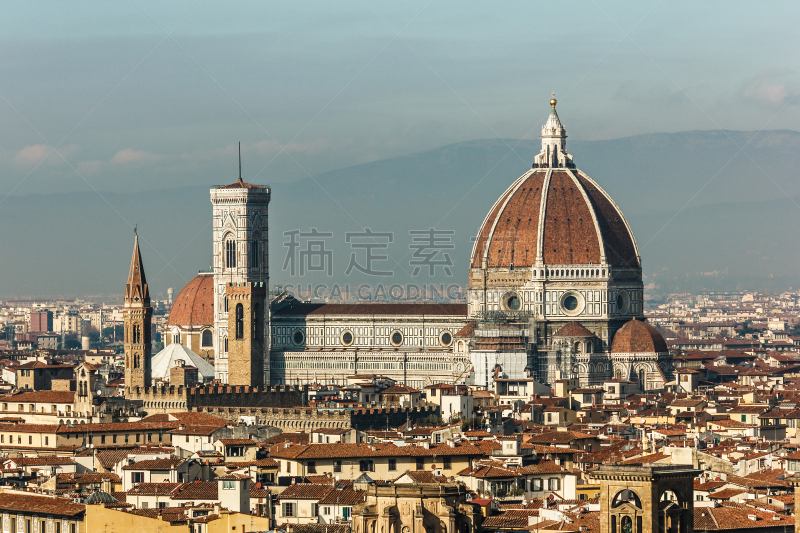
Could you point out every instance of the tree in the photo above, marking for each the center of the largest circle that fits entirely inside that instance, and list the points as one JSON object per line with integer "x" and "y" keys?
{"x": 114, "y": 333}
{"x": 71, "y": 341}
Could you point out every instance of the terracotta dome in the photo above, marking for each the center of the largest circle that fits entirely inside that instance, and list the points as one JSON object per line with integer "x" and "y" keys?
{"x": 638, "y": 337}
{"x": 194, "y": 305}
{"x": 566, "y": 219}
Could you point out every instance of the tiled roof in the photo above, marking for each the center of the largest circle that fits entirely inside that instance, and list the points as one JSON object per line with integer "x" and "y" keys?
{"x": 725, "y": 494}
{"x": 39, "y": 504}
{"x": 315, "y": 528}
{"x": 87, "y": 478}
{"x": 199, "y": 490}
{"x": 155, "y": 464}
{"x": 345, "y": 496}
{"x": 399, "y": 389}
{"x": 305, "y": 491}
{"x": 154, "y": 489}
{"x": 733, "y": 517}
{"x": 321, "y": 451}
{"x": 511, "y": 519}
{"x": 40, "y": 396}
{"x": 42, "y": 460}
{"x": 109, "y": 458}
{"x": 118, "y": 426}
{"x": 240, "y": 442}
{"x": 466, "y": 331}
{"x": 240, "y": 185}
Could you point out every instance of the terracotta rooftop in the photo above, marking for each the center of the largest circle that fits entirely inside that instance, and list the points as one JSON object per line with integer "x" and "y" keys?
{"x": 25, "y": 503}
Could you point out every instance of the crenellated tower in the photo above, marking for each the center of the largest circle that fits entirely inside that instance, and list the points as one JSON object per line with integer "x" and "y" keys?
{"x": 137, "y": 317}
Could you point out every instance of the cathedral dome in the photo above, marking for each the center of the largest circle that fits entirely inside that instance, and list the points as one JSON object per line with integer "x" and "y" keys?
{"x": 562, "y": 217}
{"x": 554, "y": 214}
{"x": 194, "y": 305}
{"x": 637, "y": 336}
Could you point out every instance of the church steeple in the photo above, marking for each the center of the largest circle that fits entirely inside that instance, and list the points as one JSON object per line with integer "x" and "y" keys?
{"x": 136, "y": 290}
{"x": 137, "y": 318}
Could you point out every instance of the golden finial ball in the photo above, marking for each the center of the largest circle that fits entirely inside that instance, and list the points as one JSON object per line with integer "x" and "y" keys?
{"x": 553, "y": 102}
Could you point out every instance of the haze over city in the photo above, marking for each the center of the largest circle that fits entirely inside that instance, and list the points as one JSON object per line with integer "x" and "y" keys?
{"x": 118, "y": 115}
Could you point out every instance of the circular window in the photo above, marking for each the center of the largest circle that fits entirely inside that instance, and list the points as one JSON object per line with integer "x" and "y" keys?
{"x": 347, "y": 337}
{"x": 572, "y": 303}
{"x": 397, "y": 338}
{"x": 446, "y": 338}
{"x": 623, "y": 301}
{"x": 298, "y": 337}
{"x": 512, "y": 302}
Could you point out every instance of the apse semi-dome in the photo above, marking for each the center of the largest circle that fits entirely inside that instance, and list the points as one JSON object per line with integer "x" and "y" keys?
{"x": 637, "y": 336}
{"x": 194, "y": 305}
{"x": 554, "y": 214}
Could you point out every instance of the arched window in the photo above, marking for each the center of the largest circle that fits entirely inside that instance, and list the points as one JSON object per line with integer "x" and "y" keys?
{"x": 176, "y": 338}
{"x": 225, "y": 298}
{"x": 207, "y": 338}
{"x": 225, "y": 343}
{"x": 137, "y": 334}
{"x": 254, "y": 259}
{"x": 230, "y": 253}
{"x": 239, "y": 321}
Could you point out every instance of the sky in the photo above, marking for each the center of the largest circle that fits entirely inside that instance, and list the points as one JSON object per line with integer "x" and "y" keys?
{"x": 136, "y": 96}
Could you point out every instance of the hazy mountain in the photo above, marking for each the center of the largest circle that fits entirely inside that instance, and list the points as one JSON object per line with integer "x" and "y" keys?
{"x": 709, "y": 209}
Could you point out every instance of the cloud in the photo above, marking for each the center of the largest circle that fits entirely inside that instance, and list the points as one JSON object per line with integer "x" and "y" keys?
{"x": 773, "y": 88}
{"x": 36, "y": 153}
{"x": 129, "y": 155}
{"x": 33, "y": 153}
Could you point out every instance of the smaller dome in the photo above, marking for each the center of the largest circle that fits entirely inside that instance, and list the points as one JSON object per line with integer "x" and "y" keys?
{"x": 194, "y": 305}
{"x": 573, "y": 329}
{"x": 638, "y": 337}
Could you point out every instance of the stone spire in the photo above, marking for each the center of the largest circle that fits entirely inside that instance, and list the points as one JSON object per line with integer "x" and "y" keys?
{"x": 137, "y": 318}
{"x": 554, "y": 142}
{"x": 136, "y": 290}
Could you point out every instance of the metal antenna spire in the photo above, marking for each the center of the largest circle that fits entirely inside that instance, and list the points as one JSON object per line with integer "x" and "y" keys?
{"x": 240, "y": 161}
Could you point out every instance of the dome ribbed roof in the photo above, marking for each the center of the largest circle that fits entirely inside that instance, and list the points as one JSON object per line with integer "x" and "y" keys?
{"x": 638, "y": 337}
{"x": 194, "y": 305}
{"x": 559, "y": 215}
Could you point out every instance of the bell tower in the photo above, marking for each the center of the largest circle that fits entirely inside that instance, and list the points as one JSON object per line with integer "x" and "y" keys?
{"x": 240, "y": 232}
{"x": 137, "y": 316}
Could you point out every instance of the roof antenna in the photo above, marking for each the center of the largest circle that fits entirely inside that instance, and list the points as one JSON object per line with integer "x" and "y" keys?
{"x": 240, "y": 161}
